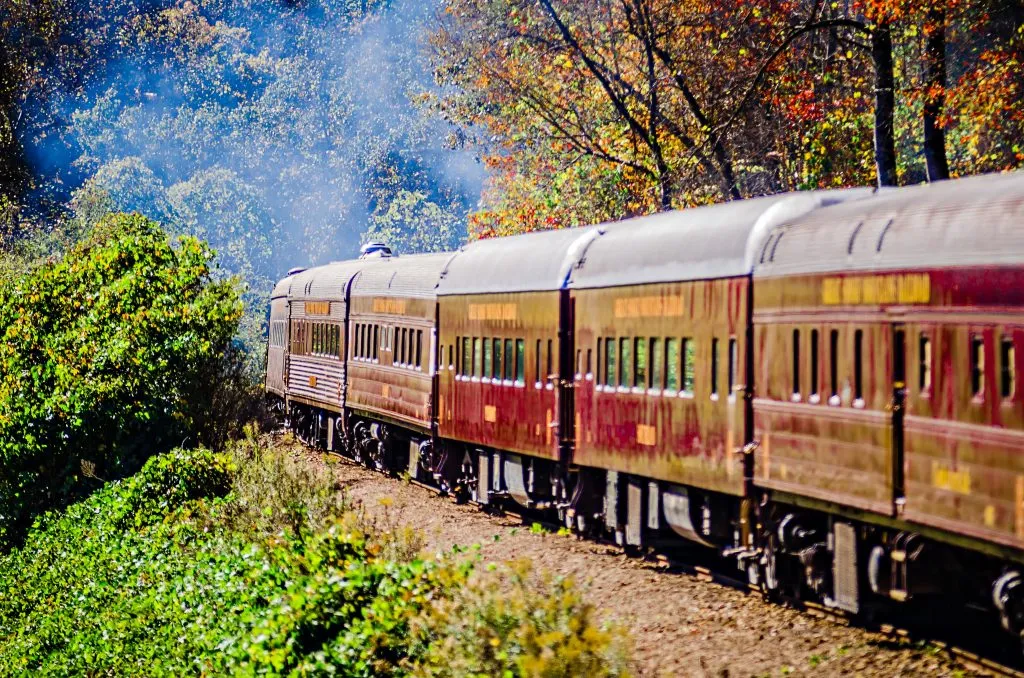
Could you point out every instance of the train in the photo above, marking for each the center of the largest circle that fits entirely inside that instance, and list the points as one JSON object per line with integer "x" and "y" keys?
{"x": 822, "y": 386}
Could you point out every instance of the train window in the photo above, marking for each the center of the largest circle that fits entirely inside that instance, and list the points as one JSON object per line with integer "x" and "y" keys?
{"x": 977, "y": 365}
{"x": 672, "y": 364}
{"x": 609, "y": 362}
{"x": 689, "y": 365}
{"x": 924, "y": 364}
{"x": 714, "y": 365}
{"x": 640, "y": 366}
{"x": 478, "y": 358}
{"x": 590, "y": 363}
{"x": 625, "y": 363}
{"x": 419, "y": 349}
{"x": 410, "y": 351}
{"x": 376, "y": 342}
{"x": 733, "y": 359}
{"x": 496, "y": 372}
{"x": 657, "y": 365}
{"x": 337, "y": 341}
{"x": 579, "y": 363}
{"x": 536, "y": 366}
{"x": 833, "y": 352}
{"x": 858, "y": 367}
{"x": 488, "y": 357}
{"x": 796, "y": 364}
{"x": 600, "y": 362}
{"x": 458, "y": 356}
{"x": 815, "y": 386}
{"x": 510, "y": 361}
{"x": 467, "y": 358}
{"x": 549, "y": 373}
{"x": 520, "y": 362}
{"x": 1007, "y": 367}
{"x": 451, "y": 363}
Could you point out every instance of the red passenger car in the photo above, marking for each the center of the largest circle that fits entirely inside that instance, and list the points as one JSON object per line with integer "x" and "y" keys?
{"x": 503, "y": 306}
{"x": 662, "y": 309}
{"x": 391, "y": 360}
{"x": 888, "y": 338}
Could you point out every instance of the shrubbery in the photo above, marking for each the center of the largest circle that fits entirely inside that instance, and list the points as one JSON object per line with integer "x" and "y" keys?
{"x": 161, "y": 574}
{"x": 108, "y": 354}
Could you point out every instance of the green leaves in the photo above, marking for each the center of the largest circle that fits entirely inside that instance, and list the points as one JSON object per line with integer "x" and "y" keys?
{"x": 104, "y": 358}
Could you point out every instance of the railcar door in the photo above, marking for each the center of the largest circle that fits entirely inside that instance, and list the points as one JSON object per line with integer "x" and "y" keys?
{"x": 566, "y": 407}
{"x": 898, "y": 405}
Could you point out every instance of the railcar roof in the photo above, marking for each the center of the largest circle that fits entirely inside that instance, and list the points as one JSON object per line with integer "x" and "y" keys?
{"x": 532, "y": 262}
{"x": 282, "y": 288}
{"x": 327, "y": 282}
{"x": 413, "y": 275}
{"x": 975, "y": 221}
{"x": 716, "y": 241}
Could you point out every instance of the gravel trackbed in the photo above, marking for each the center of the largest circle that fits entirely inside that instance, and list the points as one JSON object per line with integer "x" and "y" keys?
{"x": 681, "y": 625}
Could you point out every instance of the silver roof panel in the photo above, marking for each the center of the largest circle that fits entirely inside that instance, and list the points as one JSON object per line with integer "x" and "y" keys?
{"x": 532, "y": 262}
{"x": 962, "y": 222}
{"x": 406, "y": 276}
{"x": 716, "y": 241}
{"x": 326, "y": 282}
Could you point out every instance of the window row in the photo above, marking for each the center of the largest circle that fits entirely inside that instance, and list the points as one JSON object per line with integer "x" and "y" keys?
{"x": 404, "y": 343}
{"x": 491, "y": 358}
{"x": 925, "y": 361}
{"x": 661, "y": 364}
{"x": 1006, "y": 369}
{"x": 316, "y": 338}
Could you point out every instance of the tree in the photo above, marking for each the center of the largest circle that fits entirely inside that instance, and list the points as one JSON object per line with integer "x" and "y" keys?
{"x": 103, "y": 361}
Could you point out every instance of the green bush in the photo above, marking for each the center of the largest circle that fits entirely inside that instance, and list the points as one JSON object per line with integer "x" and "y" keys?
{"x": 107, "y": 355}
{"x": 158, "y": 575}
{"x": 512, "y": 621}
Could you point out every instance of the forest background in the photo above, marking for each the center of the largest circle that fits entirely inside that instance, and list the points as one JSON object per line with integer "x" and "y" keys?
{"x": 287, "y": 132}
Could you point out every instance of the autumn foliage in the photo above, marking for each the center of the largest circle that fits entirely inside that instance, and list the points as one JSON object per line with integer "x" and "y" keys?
{"x": 602, "y": 109}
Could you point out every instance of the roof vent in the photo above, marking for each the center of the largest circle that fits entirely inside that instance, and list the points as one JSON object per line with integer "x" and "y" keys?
{"x": 296, "y": 270}
{"x": 374, "y": 249}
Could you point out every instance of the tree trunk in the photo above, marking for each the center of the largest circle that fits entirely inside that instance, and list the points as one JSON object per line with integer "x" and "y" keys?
{"x": 935, "y": 94}
{"x": 885, "y": 105}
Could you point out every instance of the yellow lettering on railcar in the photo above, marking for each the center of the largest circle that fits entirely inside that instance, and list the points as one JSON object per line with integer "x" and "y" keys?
{"x": 945, "y": 478}
{"x": 877, "y": 290}
{"x": 318, "y": 308}
{"x": 385, "y": 391}
{"x": 646, "y": 435}
{"x": 312, "y": 381}
{"x": 490, "y": 413}
{"x": 389, "y": 306}
{"x": 493, "y": 311}
{"x": 648, "y": 307}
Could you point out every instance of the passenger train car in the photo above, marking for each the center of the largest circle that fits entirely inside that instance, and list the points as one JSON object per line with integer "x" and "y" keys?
{"x": 821, "y": 385}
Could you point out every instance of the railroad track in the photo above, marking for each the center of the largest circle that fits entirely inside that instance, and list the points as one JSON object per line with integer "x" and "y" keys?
{"x": 697, "y": 566}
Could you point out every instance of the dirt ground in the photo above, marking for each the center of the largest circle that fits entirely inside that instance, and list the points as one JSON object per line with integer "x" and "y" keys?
{"x": 681, "y": 625}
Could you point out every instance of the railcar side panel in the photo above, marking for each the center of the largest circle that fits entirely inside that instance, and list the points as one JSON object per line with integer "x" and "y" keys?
{"x": 498, "y": 356}
{"x": 389, "y": 360}
{"x": 965, "y": 406}
{"x": 822, "y": 413}
{"x": 660, "y": 381}
{"x": 277, "y": 347}
{"x": 316, "y": 371}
